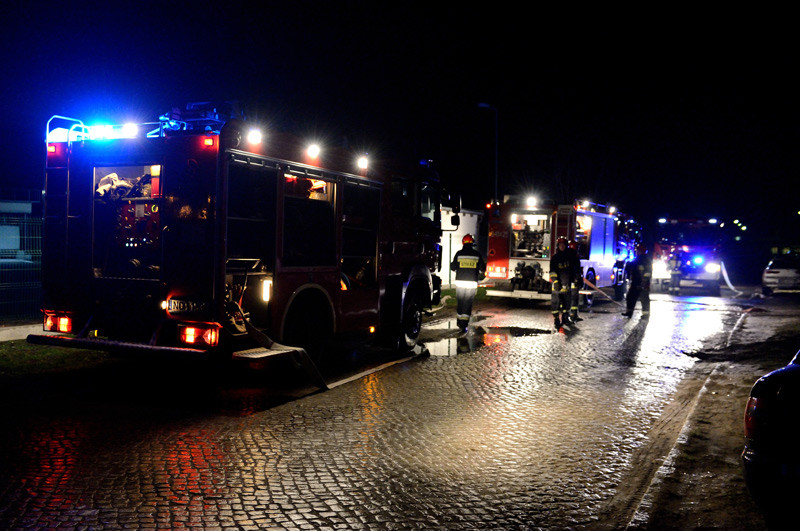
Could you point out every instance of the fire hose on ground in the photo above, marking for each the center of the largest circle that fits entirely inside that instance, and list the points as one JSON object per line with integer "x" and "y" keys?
{"x": 603, "y": 293}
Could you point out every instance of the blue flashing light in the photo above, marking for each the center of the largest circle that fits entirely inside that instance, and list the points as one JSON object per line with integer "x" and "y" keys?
{"x": 112, "y": 132}
{"x": 698, "y": 260}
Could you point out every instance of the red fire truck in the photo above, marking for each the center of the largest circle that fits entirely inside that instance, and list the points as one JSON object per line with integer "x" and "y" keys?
{"x": 522, "y": 235}
{"x": 198, "y": 235}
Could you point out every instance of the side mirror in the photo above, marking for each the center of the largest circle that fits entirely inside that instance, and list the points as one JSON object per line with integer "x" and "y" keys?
{"x": 455, "y": 220}
{"x": 452, "y": 200}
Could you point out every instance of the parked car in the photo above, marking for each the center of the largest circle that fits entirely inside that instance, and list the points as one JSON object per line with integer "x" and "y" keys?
{"x": 781, "y": 274}
{"x": 772, "y": 439}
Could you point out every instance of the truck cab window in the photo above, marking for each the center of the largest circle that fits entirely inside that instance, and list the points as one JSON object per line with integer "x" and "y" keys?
{"x": 429, "y": 203}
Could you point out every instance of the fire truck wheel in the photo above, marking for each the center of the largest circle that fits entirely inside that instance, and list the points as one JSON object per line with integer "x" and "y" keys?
{"x": 411, "y": 322}
{"x": 589, "y": 299}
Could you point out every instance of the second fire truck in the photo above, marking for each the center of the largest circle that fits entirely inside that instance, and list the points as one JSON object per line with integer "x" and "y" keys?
{"x": 693, "y": 247}
{"x": 521, "y": 240}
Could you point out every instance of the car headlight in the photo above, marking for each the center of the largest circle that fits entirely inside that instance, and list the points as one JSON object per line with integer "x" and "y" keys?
{"x": 712, "y": 267}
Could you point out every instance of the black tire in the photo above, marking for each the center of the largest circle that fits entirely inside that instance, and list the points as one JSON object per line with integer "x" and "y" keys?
{"x": 588, "y": 300}
{"x": 410, "y": 322}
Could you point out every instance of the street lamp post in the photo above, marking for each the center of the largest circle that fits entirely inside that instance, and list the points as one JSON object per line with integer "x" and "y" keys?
{"x": 492, "y": 108}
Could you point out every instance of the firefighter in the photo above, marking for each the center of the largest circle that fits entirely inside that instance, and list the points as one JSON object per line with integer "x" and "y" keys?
{"x": 576, "y": 291}
{"x": 640, "y": 271}
{"x": 563, "y": 276}
{"x": 675, "y": 272}
{"x": 470, "y": 268}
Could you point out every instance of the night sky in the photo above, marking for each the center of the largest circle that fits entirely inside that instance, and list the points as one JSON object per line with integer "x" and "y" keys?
{"x": 671, "y": 111}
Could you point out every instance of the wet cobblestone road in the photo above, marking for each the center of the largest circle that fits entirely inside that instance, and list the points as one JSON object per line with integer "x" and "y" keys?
{"x": 510, "y": 427}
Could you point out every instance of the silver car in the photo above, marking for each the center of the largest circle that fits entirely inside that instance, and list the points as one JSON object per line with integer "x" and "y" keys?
{"x": 781, "y": 274}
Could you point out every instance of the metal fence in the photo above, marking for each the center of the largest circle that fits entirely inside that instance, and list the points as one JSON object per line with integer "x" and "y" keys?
{"x": 20, "y": 267}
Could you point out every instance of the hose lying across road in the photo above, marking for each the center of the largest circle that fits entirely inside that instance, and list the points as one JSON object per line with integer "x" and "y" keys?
{"x": 727, "y": 280}
{"x": 603, "y": 293}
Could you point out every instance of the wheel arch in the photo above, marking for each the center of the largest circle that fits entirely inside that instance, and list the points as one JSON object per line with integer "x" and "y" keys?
{"x": 310, "y": 297}
{"x": 418, "y": 280}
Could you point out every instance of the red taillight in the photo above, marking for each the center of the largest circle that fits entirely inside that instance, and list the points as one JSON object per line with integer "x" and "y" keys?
{"x": 56, "y": 154}
{"x": 64, "y": 324}
{"x": 57, "y": 322}
{"x": 752, "y": 421}
{"x": 199, "y": 334}
{"x": 189, "y": 335}
{"x": 208, "y": 141}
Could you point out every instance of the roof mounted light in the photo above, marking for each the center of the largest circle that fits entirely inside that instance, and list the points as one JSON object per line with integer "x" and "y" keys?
{"x": 313, "y": 151}
{"x": 363, "y": 162}
{"x": 254, "y": 136}
{"x": 531, "y": 201}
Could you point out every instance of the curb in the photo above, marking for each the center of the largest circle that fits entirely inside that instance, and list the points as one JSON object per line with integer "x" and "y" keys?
{"x": 12, "y": 333}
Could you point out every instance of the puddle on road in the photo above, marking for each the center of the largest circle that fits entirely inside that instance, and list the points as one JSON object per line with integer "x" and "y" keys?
{"x": 452, "y": 342}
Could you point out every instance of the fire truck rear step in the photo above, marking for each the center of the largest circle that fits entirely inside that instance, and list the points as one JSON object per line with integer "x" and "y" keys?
{"x": 276, "y": 349}
{"x": 261, "y": 353}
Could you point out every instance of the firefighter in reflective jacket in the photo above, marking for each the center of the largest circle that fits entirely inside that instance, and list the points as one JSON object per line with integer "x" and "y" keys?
{"x": 470, "y": 268}
{"x": 640, "y": 271}
{"x": 576, "y": 291}
{"x": 564, "y": 275}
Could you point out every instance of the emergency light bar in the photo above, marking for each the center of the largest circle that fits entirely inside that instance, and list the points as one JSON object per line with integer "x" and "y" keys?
{"x": 113, "y": 132}
{"x": 62, "y": 129}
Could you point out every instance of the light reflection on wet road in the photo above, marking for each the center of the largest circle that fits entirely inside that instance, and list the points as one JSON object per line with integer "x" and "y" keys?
{"x": 512, "y": 425}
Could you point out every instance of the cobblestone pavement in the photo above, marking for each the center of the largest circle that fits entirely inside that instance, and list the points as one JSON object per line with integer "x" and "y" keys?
{"x": 512, "y": 426}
